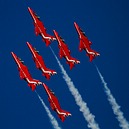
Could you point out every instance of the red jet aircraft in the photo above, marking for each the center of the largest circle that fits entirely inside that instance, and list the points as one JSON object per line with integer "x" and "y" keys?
{"x": 85, "y": 43}
{"x": 40, "y": 62}
{"x": 54, "y": 103}
{"x": 40, "y": 29}
{"x": 65, "y": 52}
{"x": 24, "y": 73}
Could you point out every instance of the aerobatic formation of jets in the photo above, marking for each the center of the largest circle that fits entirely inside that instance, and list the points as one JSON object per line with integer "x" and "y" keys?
{"x": 64, "y": 51}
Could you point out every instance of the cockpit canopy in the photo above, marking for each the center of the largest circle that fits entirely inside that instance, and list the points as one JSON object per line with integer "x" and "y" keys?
{"x": 37, "y": 16}
{"x": 62, "y": 39}
{"x": 36, "y": 50}
{"x": 82, "y": 32}
{"x": 20, "y": 60}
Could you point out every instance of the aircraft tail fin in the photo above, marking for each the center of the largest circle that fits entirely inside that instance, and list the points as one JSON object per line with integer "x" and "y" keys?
{"x": 91, "y": 57}
{"x": 71, "y": 66}
{"x": 47, "y": 76}
{"x": 47, "y": 42}
{"x": 62, "y": 117}
{"x": 32, "y": 86}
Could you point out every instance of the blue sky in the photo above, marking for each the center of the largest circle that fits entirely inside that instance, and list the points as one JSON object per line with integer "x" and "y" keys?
{"x": 106, "y": 24}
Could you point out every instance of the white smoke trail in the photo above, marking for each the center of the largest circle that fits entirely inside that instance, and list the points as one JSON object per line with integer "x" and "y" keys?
{"x": 123, "y": 123}
{"x": 74, "y": 91}
{"x": 51, "y": 117}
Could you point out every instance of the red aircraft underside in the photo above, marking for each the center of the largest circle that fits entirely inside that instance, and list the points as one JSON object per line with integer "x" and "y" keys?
{"x": 24, "y": 73}
{"x": 40, "y": 29}
{"x": 85, "y": 44}
{"x": 54, "y": 103}
{"x": 65, "y": 52}
{"x": 40, "y": 62}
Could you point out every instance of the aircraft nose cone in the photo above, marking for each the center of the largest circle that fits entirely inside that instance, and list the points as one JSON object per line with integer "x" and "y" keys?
{"x": 75, "y": 23}
{"x": 29, "y": 9}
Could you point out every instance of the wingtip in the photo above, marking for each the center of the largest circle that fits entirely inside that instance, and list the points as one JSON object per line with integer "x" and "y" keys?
{"x": 55, "y": 72}
{"x": 78, "y": 61}
{"x": 98, "y": 54}
{"x": 70, "y": 114}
